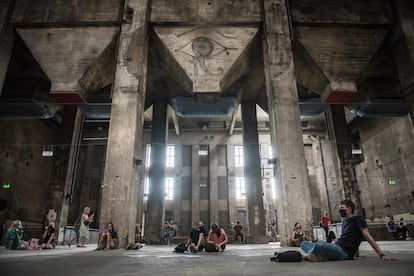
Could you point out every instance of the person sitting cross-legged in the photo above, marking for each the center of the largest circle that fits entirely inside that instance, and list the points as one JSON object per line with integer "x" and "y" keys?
{"x": 354, "y": 228}
{"x": 217, "y": 239}
{"x": 108, "y": 238}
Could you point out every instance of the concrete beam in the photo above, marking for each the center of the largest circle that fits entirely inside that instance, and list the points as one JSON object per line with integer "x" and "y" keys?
{"x": 374, "y": 12}
{"x": 54, "y": 12}
{"x": 175, "y": 120}
{"x": 202, "y": 12}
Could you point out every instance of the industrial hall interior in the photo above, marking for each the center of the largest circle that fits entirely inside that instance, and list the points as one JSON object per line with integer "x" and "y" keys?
{"x": 262, "y": 112}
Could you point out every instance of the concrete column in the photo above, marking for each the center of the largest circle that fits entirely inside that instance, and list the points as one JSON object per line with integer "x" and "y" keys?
{"x": 291, "y": 177}
{"x": 213, "y": 174}
{"x": 70, "y": 176}
{"x": 6, "y": 38}
{"x": 332, "y": 178}
{"x": 156, "y": 193}
{"x": 402, "y": 44}
{"x": 320, "y": 176}
{"x": 195, "y": 179}
{"x": 252, "y": 174}
{"x": 338, "y": 131}
{"x": 119, "y": 194}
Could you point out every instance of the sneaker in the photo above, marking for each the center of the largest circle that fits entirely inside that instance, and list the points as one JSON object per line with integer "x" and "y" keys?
{"x": 315, "y": 258}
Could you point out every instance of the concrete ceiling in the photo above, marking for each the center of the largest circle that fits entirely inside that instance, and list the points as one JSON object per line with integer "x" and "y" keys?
{"x": 331, "y": 42}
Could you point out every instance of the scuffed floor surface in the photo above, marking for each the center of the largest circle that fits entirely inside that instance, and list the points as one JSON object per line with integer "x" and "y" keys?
{"x": 237, "y": 259}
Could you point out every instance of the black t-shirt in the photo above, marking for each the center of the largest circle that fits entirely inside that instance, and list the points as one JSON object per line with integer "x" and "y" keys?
{"x": 351, "y": 236}
{"x": 195, "y": 234}
{"x": 50, "y": 230}
{"x": 114, "y": 234}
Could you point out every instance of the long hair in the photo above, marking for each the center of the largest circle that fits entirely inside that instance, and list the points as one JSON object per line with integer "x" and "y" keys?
{"x": 215, "y": 228}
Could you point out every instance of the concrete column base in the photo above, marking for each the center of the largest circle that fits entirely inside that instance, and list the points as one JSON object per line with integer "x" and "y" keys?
{"x": 261, "y": 239}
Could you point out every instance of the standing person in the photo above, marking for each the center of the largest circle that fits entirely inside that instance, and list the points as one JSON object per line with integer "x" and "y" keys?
{"x": 325, "y": 223}
{"x": 238, "y": 231}
{"x": 14, "y": 235}
{"x": 198, "y": 236}
{"x": 354, "y": 228}
{"x": 86, "y": 219}
{"x": 48, "y": 237}
{"x": 217, "y": 236}
{"x": 76, "y": 227}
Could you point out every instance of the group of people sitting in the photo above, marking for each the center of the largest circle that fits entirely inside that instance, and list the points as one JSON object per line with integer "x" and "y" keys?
{"x": 399, "y": 232}
{"x": 14, "y": 237}
{"x": 213, "y": 241}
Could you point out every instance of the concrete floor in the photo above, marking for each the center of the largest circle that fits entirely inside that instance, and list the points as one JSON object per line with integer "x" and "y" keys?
{"x": 236, "y": 260}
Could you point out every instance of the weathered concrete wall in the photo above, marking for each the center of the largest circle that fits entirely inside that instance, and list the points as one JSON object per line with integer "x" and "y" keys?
{"x": 23, "y": 166}
{"x": 387, "y": 146}
{"x": 52, "y": 11}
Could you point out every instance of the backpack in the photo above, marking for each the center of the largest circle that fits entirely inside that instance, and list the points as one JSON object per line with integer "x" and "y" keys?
{"x": 287, "y": 256}
{"x": 180, "y": 248}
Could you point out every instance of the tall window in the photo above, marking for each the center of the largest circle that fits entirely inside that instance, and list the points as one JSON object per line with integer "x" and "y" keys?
{"x": 238, "y": 156}
{"x": 146, "y": 187}
{"x": 169, "y": 188}
{"x": 170, "y": 155}
{"x": 240, "y": 188}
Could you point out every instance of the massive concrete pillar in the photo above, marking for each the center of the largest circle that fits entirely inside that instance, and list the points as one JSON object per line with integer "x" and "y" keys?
{"x": 6, "y": 38}
{"x": 320, "y": 176}
{"x": 195, "y": 187}
{"x": 338, "y": 131}
{"x": 252, "y": 174}
{"x": 119, "y": 194}
{"x": 213, "y": 174}
{"x": 156, "y": 193}
{"x": 70, "y": 174}
{"x": 291, "y": 177}
{"x": 402, "y": 44}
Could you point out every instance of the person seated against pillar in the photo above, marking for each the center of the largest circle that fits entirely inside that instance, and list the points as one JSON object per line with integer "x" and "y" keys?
{"x": 48, "y": 237}
{"x": 198, "y": 236}
{"x": 14, "y": 236}
{"x": 401, "y": 231}
{"x": 170, "y": 230}
{"x": 297, "y": 235}
{"x": 238, "y": 231}
{"x": 217, "y": 239}
{"x": 108, "y": 238}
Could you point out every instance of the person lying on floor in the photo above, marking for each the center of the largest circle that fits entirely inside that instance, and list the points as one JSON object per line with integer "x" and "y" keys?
{"x": 354, "y": 228}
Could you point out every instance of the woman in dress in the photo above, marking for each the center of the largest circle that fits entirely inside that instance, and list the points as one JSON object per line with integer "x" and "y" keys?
{"x": 86, "y": 219}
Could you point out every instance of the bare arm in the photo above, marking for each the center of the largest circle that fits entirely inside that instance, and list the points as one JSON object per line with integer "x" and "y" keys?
{"x": 209, "y": 239}
{"x": 200, "y": 239}
{"x": 226, "y": 239}
{"x": 374, "y": 245}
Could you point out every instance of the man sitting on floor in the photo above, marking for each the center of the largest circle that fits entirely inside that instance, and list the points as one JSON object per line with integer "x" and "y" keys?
{"x": 354, "y": 228}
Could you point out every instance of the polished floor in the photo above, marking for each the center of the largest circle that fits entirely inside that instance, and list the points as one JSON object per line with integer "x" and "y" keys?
{"x": 237, "y": 259}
